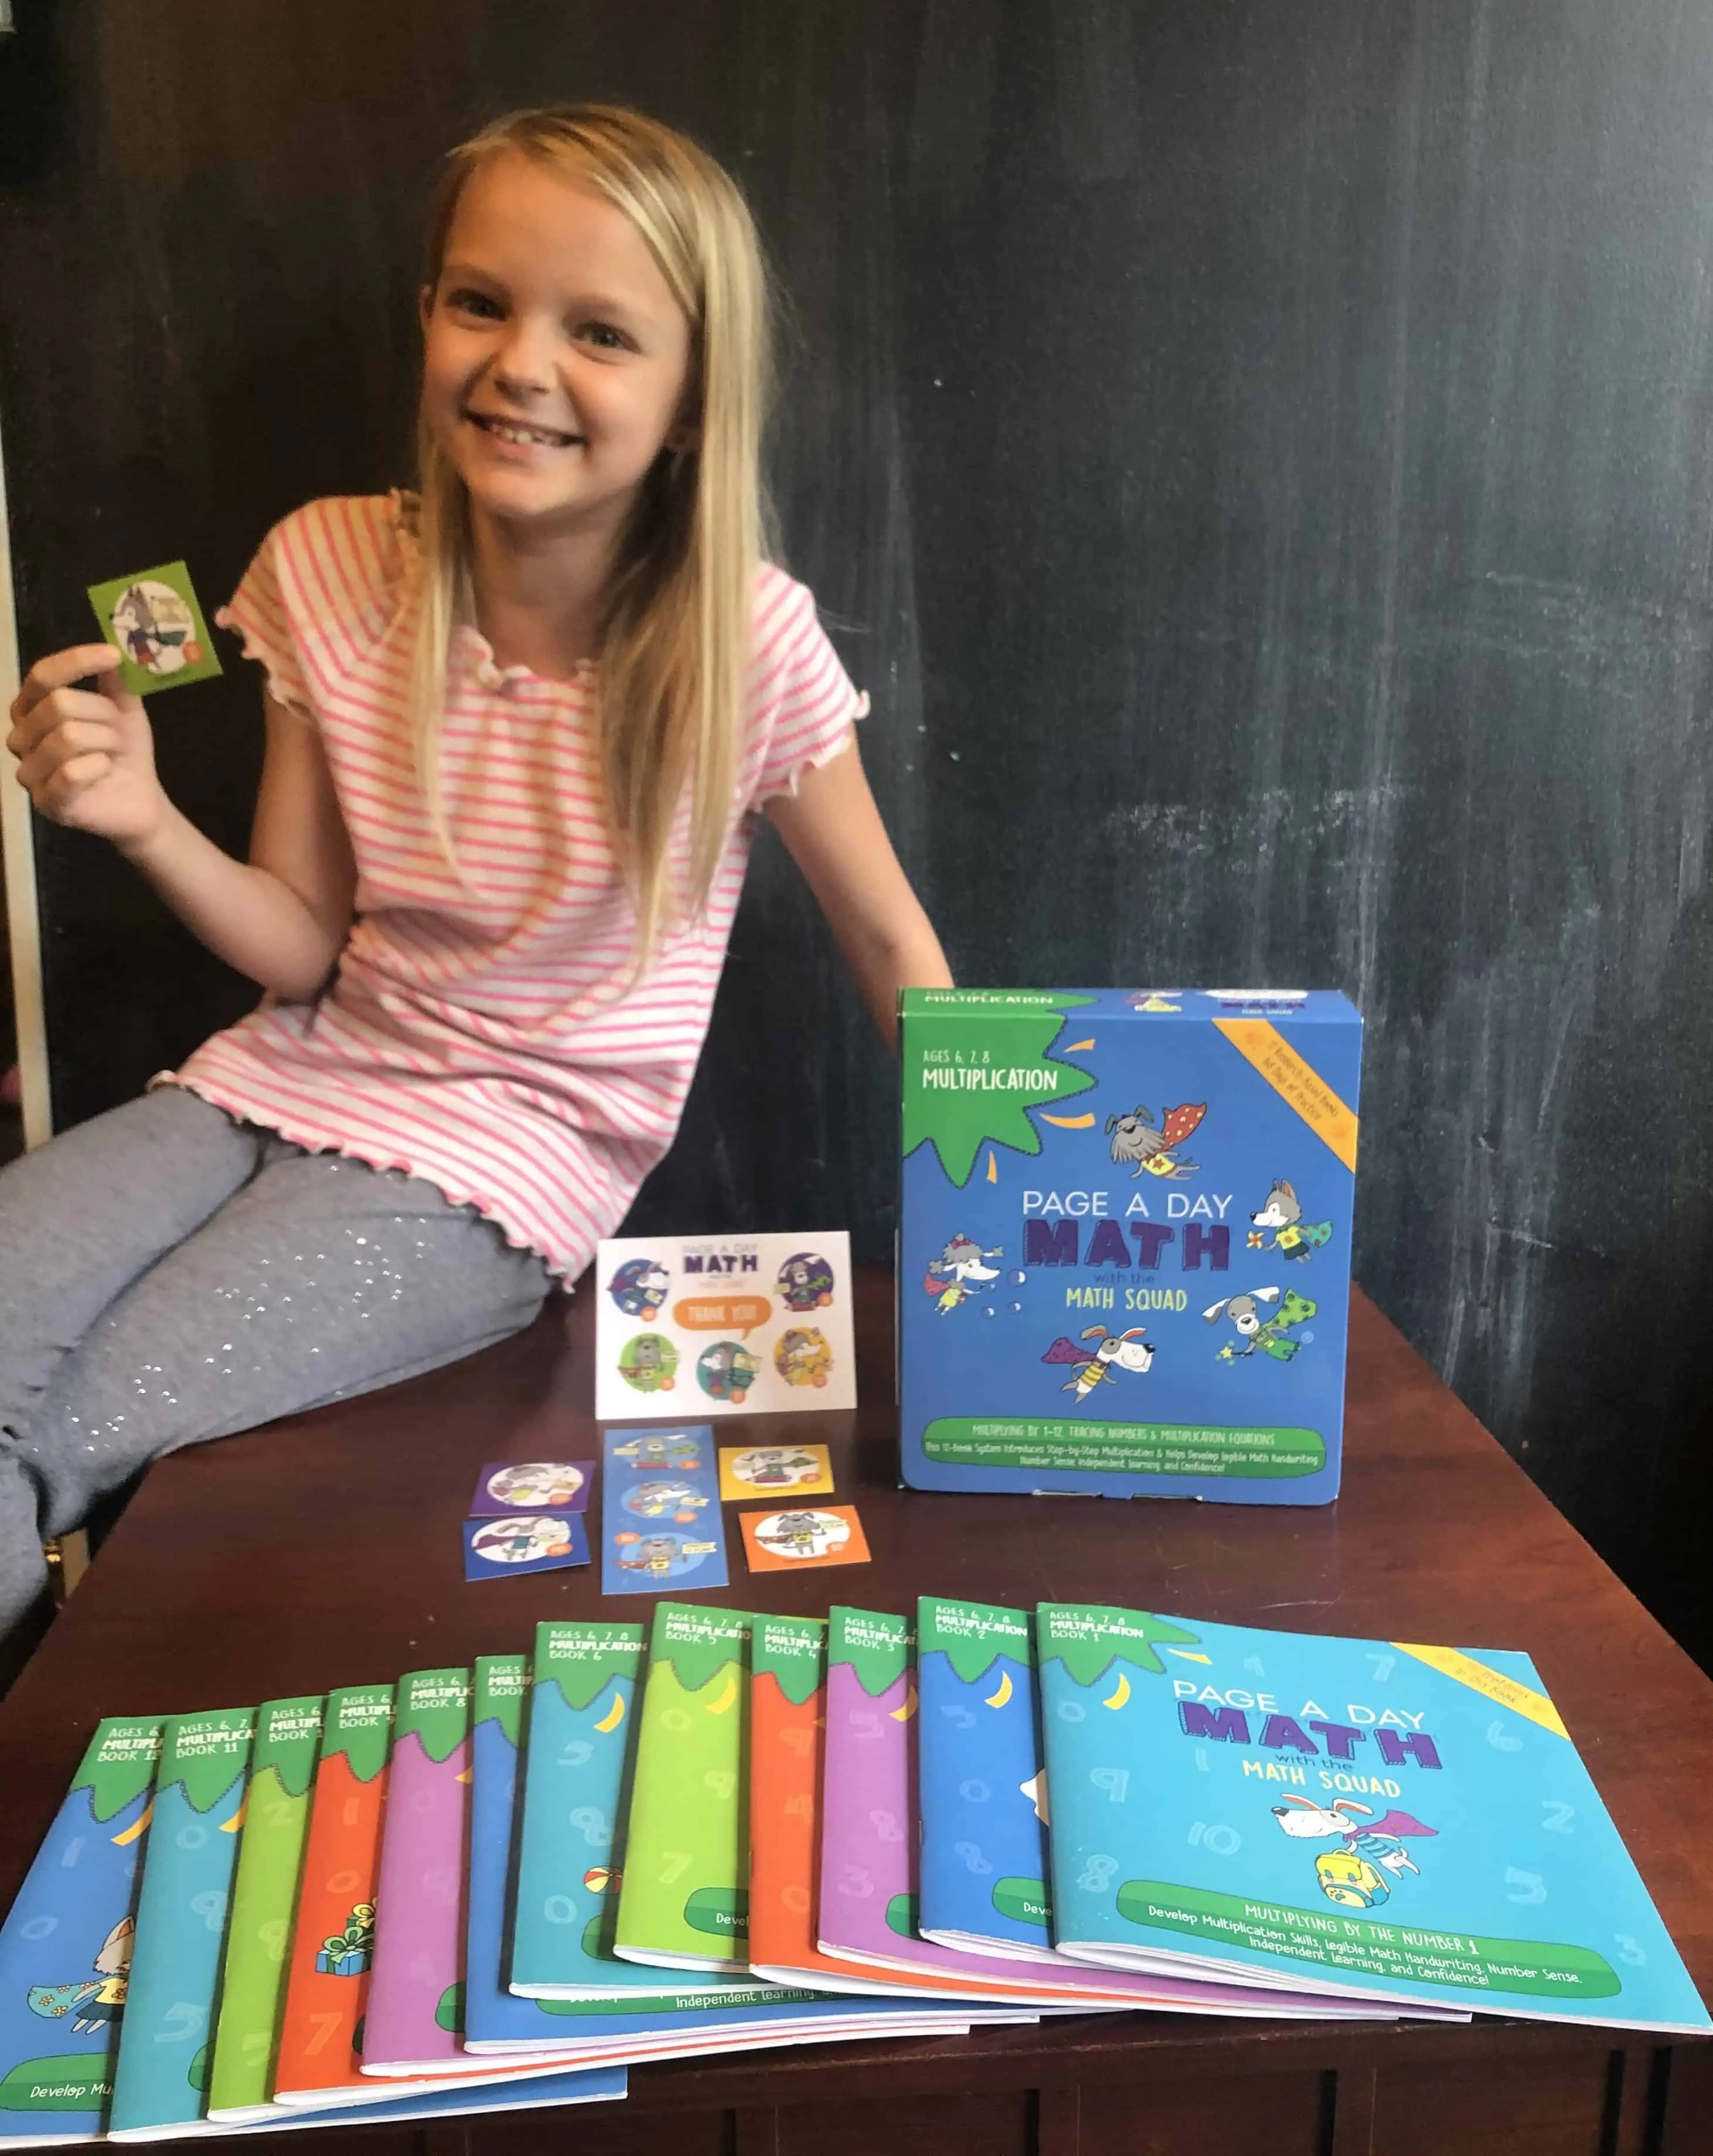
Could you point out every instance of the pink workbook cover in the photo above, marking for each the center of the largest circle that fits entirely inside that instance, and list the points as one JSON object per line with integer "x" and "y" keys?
{"x": 414, "y": 2021}
{"x": 867, "y": 1907}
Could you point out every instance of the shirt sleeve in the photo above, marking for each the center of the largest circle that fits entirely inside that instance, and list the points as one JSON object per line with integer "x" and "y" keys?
{"x": 317, "y": 594}
{"x": 802, "y": 703}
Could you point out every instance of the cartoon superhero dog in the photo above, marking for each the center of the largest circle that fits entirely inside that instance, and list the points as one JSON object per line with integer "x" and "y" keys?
{"x": 98, "y": 1999}
{"x": 958, "y": 1271}
{"x": 640, "y": 1287}
{"x": 804, "y": 1283}
{"x": 1137, "y": 1139}
{"x": 1347, "y": 1875}
{"x": 1130, "y": 1351}
{"x": 804, "y": 1534}
{"x": 1271, "y": 1335}
{"x": 1281, "y": 1218}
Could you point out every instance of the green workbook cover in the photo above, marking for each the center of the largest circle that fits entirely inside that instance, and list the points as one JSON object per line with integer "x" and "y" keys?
{"x": 683, "y": 1901}
{"x": 276, "y": 1817}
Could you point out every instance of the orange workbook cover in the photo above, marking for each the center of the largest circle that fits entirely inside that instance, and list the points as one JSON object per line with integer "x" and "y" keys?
{"x": 787, "y": 1718}
{"x": 333, "y": 1938}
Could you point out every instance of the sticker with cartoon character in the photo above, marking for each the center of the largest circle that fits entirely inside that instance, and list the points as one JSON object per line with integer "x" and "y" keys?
{"x": 526, "y": 1485}
{"x": 1280, "y": 1227}
{"x": 960, "y": 1271}
{"x": 640, "y": 1288}
{"x": 524, "y": 1541}
{"x": 1146, "y": 1147}
{"x": 803, "y": 1358}
{"x": 1277, "y": 1334}
{"x": 822, "y": 1534}
{"x": 661, "y": 1501}
{"x": 93, "y": 2001}
{"x": 1112, "y": 1351}
{"x": 648, "y": 1363}
{"x": 805, "y": 1282}
{"x": 155, "y": 628}
{"x": 521, "y": 1541}
{"x": 752, "y": 1469}
{"x": 727, "y": 1370}
{"x": 659, "y": 1557}
{"x": 1352, "y": 1874}
{"x": 684, "y": 1453}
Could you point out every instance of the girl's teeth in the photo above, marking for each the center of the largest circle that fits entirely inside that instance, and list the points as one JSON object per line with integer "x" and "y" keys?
{"x": 524, "y": 434}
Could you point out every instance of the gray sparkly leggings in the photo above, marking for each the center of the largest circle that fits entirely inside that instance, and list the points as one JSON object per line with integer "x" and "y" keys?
{"x": 168, "y": 1275}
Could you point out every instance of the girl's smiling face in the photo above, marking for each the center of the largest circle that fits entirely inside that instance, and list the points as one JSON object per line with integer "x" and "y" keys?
{"x": 556, "y": 360}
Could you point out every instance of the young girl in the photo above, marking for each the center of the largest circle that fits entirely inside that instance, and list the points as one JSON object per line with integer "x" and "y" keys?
{"x": 516, "y": 732}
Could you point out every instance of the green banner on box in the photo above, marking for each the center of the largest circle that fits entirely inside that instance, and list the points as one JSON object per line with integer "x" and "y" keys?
{"x": 1123, "y": 1448}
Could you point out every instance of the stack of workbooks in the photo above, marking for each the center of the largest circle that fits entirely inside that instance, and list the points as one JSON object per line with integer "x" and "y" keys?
{"x": 494, "y": 1888}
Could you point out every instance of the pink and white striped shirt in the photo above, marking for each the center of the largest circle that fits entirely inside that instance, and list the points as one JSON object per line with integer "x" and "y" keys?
{"x": 483, "y": 1036}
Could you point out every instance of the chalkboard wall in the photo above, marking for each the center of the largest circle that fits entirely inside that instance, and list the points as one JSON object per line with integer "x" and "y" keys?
{"x": 1257, "y": 453}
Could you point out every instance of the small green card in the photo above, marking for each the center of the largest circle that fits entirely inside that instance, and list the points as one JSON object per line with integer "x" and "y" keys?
{"x": 154, "y": 619}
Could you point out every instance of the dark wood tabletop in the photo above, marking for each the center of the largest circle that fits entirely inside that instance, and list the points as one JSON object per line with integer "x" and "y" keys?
{"x": 326, "y": 1551}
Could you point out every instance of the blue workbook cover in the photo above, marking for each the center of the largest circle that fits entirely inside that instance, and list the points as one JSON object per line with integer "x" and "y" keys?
{"x": 577, "y": 1772}
{"x": 700, "y": 2015}
{"x": 165, "y": 2041}
{"x": 984, "y": 1836}
{"x": 65, "y": 1948}
{"x": 1124, "y": 1240}
{"x": 1360, "y": 1816}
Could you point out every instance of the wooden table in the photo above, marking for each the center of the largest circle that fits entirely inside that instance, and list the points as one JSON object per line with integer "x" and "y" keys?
{"x": 326, "y": 1551}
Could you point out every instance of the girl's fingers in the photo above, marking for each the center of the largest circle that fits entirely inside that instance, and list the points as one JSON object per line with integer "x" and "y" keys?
{"x": 71, "y": 779}
{"x": 61, "y": 708}
{"x": 49, "y": 757}
{"x": 59, "y": 671}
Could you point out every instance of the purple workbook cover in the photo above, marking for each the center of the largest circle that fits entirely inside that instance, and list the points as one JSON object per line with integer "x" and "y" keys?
{"x": 868, "y": 1898}
{"x": 411, "y": 2018}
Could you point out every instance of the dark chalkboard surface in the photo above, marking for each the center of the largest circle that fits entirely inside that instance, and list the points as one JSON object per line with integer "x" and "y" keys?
{"x": 1257, "y": 453}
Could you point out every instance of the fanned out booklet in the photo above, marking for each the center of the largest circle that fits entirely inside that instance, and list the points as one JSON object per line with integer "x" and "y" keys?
{"x": 497, "y": 1888}
{"x": 1365, "y": 1818}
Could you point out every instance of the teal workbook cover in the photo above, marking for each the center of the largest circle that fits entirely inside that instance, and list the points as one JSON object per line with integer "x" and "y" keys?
{"x": 1361, "y": 1817}
{"x": 161, "y": 2082}
{"x": 578, "y": 1769}
{"x": 65, "y": 1948}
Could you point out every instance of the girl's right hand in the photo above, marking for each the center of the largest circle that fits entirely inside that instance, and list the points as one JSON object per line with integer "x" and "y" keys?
{"x": 87, "y": 756}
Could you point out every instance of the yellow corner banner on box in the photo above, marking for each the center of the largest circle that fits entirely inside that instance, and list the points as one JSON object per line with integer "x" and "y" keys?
{"x": 1296, "y": 1082}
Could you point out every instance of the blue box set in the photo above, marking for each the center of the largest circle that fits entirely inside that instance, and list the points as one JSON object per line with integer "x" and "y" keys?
{"x": 1124, "y": 1241}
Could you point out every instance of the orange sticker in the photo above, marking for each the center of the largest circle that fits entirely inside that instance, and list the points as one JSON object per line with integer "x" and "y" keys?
{"x": 806, "y": 1535}
{"x": 721, "y": 1313}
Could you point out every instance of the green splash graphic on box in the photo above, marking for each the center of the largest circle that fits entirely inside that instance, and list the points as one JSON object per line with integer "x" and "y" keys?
{"x": 1527, "y": 1967}
{"x": 1123, "y": 1448}
{"x": 967, "y": 1084}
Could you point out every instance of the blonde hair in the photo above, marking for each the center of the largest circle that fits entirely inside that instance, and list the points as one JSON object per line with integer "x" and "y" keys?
{"x": 678, "y": 613}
